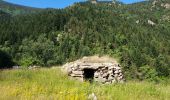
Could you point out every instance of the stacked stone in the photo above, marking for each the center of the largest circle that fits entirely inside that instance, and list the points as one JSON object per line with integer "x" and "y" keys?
{"x": 103, "y": 72}
{"x": 73, "y": 70}
{"x": 109, "y": 73}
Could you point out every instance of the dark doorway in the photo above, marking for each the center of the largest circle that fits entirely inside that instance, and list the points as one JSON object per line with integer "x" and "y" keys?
{"x": 89, "y": 74}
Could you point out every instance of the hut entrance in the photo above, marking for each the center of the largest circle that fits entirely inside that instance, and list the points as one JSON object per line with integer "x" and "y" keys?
{"x": 89, "y": 74}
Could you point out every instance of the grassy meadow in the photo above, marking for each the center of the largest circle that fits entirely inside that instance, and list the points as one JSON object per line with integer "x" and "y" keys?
{"x": 52, "y": 84}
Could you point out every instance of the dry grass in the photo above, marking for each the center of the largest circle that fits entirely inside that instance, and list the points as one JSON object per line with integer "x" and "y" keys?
{"x": 43, "y": 84}
{"x": 98, "y": 59}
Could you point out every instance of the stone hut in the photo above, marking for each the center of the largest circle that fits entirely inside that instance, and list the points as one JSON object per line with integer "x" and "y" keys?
{"x": 94, "y": 68}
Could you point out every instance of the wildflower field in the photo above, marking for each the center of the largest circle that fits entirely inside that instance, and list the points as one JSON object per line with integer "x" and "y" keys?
{"x": 52, "y": 84}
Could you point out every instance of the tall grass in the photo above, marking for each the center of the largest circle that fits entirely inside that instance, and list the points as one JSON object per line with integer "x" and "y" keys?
{"x": 43, "y": 84}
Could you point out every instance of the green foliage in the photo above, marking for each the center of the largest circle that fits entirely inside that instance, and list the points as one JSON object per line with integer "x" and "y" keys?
{"x": 55, "y": 36}
{"x": 147, "y": 72}
{"x": 27, "y": 61}
{"x": 15, "y": 9}
{"x": 5, "y": 60}
{"x": 37, "y": 52}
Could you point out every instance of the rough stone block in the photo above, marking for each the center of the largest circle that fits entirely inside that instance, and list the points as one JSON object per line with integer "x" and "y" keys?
{"x": 78, "y": 72}
{"x": 76, "y": 75}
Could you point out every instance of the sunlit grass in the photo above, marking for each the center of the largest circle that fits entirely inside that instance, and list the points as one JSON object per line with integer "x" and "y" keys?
{"x": 52, "y": 84}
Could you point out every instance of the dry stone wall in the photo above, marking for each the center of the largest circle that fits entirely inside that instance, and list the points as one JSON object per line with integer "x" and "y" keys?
{"x": 103, "y": 72}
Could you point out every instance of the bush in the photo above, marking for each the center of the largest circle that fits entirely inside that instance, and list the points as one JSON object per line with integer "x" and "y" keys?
{"x": 149, "y": 73}
{"x": 5, "y": 60}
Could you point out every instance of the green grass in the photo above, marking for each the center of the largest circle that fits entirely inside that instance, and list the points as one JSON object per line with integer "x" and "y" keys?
{"x": 43, "y": 84}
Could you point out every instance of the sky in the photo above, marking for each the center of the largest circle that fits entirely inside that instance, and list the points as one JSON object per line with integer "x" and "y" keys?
{"x": 54, "y": 3}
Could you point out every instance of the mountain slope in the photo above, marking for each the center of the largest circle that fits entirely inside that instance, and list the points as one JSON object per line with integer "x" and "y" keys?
{"x": 138, "y": 35}
{"x": 15, "y": 9}
{"x": 3, "y": 14}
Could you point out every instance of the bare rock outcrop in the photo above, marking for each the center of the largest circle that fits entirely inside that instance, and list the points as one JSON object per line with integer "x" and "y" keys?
{"x": 151, "y": 22}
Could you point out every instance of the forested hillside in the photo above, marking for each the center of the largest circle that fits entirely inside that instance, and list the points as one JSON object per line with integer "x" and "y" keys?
{"x": 138, "y": 35}
{"x": 16, "y": 9}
